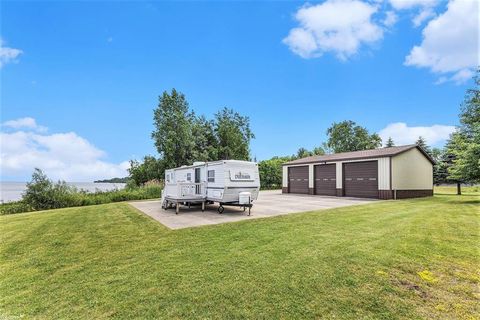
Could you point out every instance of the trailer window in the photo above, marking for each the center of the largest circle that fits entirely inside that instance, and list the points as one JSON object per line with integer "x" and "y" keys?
{"x": 189, "y": 177}
{"x": 211, "y": 175}
{"x": 168, "y": 177}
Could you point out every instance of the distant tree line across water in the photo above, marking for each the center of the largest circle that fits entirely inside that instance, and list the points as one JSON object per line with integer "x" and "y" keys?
{"x": 113, "y": 180}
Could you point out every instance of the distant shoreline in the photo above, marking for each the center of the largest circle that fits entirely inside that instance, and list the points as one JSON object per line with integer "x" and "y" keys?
{"x": 12, "y": 190}
{"x": 113, "y": 180}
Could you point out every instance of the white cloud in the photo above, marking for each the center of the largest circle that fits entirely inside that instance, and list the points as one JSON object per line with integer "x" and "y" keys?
{"x": 390, "y": 18}
{"x": 8, "y": 54}
{"x": 450, "y": 42}
{"x": 337, "y": 26}
{"x": 423, "y": 16}
{"x": 424, "y": 7}
{"x": 65, "y": 156}
{"x": 409, "y": 4}
{"x": 401, "y": 133}
{"x": 24, "y": 123}
{"x": 462, "y": 76}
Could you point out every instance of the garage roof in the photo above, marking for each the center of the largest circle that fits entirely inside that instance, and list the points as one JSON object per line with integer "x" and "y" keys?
{"x": 363, "y": 154}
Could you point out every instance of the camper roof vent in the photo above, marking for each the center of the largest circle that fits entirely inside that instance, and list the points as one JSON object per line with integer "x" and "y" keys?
{"x": 198, "y": 163}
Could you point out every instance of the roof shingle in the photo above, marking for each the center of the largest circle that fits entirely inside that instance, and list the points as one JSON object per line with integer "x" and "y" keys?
{"x": 363, "y": 154}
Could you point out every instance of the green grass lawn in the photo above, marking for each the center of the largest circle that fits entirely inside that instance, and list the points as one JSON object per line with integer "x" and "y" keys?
{"x": 403, "y": 259}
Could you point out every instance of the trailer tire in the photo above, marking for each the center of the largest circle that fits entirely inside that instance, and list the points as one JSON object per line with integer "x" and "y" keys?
{"x": 220, "y": 209}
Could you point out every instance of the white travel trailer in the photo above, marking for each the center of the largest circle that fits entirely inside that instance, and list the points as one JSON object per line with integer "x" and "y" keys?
{"x": 228, "y": 182}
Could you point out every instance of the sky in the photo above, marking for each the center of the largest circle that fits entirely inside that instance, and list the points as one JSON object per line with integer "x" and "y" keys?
{"x": 80, "y": 79}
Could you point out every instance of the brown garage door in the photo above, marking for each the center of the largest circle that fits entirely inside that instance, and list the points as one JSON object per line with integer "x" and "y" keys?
{"x": 325, "y": 180}
{"x": 360, "y": 179}
{"x": 298, "y": 179}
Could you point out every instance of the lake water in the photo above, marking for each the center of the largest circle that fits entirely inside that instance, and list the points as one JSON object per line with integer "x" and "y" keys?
{"x": 12, "y": 191}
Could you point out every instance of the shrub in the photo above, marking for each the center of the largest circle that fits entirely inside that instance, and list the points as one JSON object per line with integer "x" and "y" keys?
{"x": 43, "y": 194}
{"x": 271, "y": 172}
{"x": 14, "y": 207}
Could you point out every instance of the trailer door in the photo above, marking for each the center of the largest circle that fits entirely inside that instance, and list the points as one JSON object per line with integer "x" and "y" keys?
{"x": 198, "y": 189}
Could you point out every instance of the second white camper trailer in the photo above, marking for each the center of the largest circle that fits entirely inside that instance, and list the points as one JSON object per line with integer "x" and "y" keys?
{"x": 227, "y": 182}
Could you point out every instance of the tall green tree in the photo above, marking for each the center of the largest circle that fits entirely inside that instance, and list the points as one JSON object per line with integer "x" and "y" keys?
{"x": 348, "y": 136}
{"x": 173, "y": 129}
{"x": 302, "y": 153}
{"x": 390, "y": 143}
{"x": 465, "y": 143}
{"x": 205, "y": 142}
{"x": 233, "y": 135}
{"x": 318, "y": 151}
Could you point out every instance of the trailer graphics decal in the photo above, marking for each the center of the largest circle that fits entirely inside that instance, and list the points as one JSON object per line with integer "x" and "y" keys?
{"x": 237, "y": 175}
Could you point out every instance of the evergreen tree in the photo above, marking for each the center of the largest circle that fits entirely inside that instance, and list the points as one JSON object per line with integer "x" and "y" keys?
{"x": 390, "y": 143}
{"x": 451, "y": 155}
{"x": 439, "y": 171}
{"x": 465, "y": 143}
{"x": 421, "y": 142}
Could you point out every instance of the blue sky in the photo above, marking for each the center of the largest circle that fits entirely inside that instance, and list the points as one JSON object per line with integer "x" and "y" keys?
{"x": 78, "y": 94}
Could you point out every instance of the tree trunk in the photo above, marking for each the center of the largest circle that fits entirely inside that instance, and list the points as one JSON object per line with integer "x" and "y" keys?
{"x": 459, "y": 188}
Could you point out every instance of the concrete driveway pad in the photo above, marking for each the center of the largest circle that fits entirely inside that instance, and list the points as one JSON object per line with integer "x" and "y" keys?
{"x": 268, "y": 204}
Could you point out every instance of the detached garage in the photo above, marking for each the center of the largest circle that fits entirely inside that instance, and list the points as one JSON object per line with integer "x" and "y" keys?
{"x": 386, "y": 173}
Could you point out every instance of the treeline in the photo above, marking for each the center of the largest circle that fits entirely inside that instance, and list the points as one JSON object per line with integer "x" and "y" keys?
{"x": 458, "y": 162}
{"x": 343, "y": 136}
{"x": 182, "y": 137}
{"x": 113, "y": 180}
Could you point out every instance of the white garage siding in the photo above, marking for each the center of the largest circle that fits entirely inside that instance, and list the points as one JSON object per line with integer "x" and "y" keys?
{"x": 339, "y": 175}
{"x": 384, "y": 173}
{"x": 311, "y": 179}
{"x": 411, "y": 170}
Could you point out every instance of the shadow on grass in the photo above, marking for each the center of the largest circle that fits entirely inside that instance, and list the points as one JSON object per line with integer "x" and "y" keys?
{"x": 471, "y": 194}
{"x": 466, "y": 202}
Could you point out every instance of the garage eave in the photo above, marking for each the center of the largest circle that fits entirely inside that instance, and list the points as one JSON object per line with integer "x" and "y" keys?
{"x": 358, "y": 155}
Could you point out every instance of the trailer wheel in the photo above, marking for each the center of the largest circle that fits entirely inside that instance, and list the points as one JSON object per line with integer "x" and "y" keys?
{"x": 220, "y": 209}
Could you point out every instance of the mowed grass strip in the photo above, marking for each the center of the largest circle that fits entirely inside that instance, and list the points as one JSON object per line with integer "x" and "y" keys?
{"x": 403, "y": 259}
